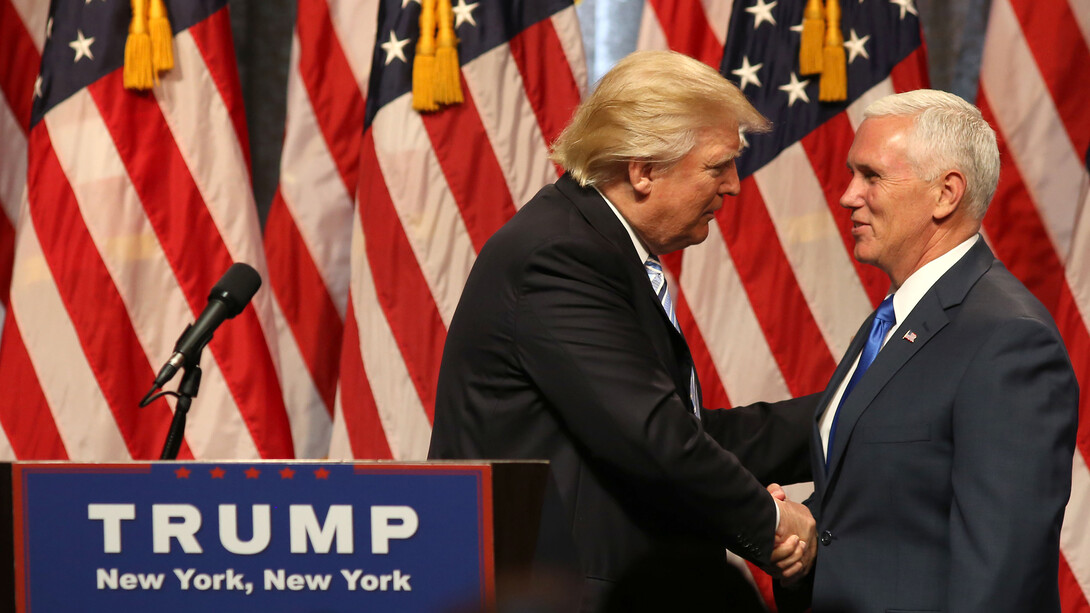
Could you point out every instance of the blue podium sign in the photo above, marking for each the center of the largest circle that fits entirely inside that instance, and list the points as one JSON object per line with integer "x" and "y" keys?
{"x": 265, "y": 536}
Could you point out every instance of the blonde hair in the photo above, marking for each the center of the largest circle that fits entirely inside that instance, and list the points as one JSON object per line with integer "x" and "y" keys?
{"x": 949, "y": 133}
{"x": 650, "y": 106}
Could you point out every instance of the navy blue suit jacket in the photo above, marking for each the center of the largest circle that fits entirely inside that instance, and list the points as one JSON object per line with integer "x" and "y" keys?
{"x": 951, "y": 467}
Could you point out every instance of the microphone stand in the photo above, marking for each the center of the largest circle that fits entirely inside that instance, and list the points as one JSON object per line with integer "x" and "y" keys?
{"x": 187, "y": 390}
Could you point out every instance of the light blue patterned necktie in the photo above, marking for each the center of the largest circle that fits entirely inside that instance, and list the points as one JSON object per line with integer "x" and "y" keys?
{"x": 658, "y": 283}
{"x": 883, "y": 320}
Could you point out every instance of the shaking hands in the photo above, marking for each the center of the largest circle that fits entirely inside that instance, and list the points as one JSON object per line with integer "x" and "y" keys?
{"x": 796, "y": 539}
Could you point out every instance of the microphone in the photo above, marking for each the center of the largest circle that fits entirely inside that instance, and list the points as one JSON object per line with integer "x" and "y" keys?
{"x": 228, "y": 297}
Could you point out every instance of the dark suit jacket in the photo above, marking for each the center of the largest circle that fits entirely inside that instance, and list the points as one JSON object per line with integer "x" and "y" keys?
{"x": 951, "y": 465}
{"x": 559, "y": 349}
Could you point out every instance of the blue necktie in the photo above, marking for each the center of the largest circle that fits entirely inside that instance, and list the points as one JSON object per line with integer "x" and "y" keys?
{"x": 883, "y": 320}
{"x": 658, "y": 283}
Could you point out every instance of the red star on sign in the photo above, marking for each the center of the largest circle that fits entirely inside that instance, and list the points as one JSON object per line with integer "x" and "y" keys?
{"x": 287, "y": 473}
{"x": 182, "y": 473}
{"x": 321, "y": 473}
{"x": 217, "y": 473}
{"x": 252, "y": 473}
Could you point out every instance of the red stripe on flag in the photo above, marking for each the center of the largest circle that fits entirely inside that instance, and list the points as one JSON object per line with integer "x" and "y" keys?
{"x": 365, "y": 433}
{"x": 1053, "y": 36}
{"x": 827, "y": 150}
{"x": 185, "y": 227}
{"x": 334, "y": 95}
{"x": 93, "y": 303}
{"x": 1016, "y": 230}
{"x": 1072, "y": 599}
{"x": 712, "y": 393}
{"x": 546, "y": 75}
{"x": 24, "y": 412}
{"x": 213, "y": 39}
{"x": 687, "y": 30}
{"x": 911, "y": 72}
{"x": 781, "y": 309}
{"x": 402, "y": 290}
{"x": 20, "y": 59}
{"x": 307, "y": 306}
{"x": 471, "y": 169}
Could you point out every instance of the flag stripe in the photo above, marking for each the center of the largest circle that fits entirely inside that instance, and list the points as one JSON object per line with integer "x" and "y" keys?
{"x": 1053, "y": 38}
{"x": 709, "y": 276}
{"x": 315, "y": 321}
{"x": 186, "y": 227}
{"x": 509, "y": 122}
{"x": 213, "y": 37}
{"x": 808, "y": 235}
{"x": 470, "y": 168}
{"x": 827, "y": 151}
{"x": 361, "y": 424}
{"x": 106, "y": 334}
{"x": 712, "y": 393}
{"x": 331, "y": 88}
{"x": 547, "y": 81}
{"x": 20, "y": 59}
{"x": 30, "y": 432}
{"x": 400, "y": 286}
{"x": 687, "y": 30}
{"x": 773, "y": 290}
{"x": 1075, "y": 541}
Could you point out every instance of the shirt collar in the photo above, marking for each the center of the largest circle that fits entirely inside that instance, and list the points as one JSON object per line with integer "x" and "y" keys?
{"x": 640, "y": 249}
{"x": 919, "y": 282}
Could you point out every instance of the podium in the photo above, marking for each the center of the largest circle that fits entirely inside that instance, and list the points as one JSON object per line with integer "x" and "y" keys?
{"x": 265, "y": 536}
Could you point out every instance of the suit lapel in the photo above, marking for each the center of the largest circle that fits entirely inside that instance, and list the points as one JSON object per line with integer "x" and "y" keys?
{"x": 928, "y": 317}
{"x": 668, "y": 341}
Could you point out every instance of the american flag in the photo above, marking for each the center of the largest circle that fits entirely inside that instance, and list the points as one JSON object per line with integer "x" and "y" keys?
{"x": 135, "y": 204}
{"x": 431, "y": 189}
{"x": 308, "y": 231}
{"x": 1033, "y": 80}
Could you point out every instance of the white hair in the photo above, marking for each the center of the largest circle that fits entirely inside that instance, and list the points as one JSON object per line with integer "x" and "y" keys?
{"x": 949, "y": 134}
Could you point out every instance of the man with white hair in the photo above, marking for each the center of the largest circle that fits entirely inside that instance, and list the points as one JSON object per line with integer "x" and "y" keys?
{"x": 941, "y": 448}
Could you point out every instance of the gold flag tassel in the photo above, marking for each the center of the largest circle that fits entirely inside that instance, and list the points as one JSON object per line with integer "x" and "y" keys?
{"x": 162, "y": 53}
{"x": 813, "y": 30}
{"x": 834, "y": 70}
{"x": 448, "y": 83}
{"x": 138, "y": 72}
{"x": 424, "y": 62}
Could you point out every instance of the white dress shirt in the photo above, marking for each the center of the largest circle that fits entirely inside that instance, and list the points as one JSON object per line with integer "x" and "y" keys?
{"x": 904, "y": 300}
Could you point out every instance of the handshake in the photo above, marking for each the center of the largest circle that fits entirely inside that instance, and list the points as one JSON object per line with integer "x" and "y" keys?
{"x": 796, "y": 536}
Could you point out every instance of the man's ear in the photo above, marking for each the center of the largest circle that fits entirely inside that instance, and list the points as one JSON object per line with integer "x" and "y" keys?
{"x": 639, "y": 176}
{"x": 951, "y": 192}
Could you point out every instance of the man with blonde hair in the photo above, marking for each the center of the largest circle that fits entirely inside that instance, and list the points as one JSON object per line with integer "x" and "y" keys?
{"x": 942, "y": 448}
{"x": 565, "y": 347}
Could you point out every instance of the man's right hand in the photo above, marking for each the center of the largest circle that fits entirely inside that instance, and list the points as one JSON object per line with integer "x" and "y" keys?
{"x": 796, "y": 537}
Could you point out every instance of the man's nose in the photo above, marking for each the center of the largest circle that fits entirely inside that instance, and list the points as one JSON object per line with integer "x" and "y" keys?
{"x": 731, "y": 183}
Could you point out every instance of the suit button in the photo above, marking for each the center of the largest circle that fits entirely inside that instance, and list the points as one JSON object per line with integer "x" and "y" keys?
{"x": 826, "y": 537}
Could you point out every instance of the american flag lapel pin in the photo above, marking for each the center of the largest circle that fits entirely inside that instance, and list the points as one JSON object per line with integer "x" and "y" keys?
{"x": 910, "y": 336}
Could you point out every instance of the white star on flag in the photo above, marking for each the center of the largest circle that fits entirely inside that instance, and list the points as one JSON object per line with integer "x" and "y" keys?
{"x": 907, "y": 6}
{"x": 747, "y": 73}
{"x": 856, "y": 46}
{"x": 464, "y": 12}
{"x": 82, "y": 46}
{"x": 395, "y": 48}
{"x": 762, "y": 12}
{"x": 38, "y": 87}
{"x": 795, "y": 90}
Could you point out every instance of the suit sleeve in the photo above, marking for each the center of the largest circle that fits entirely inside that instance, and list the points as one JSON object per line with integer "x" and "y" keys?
{"x": 1014, "y": 422}
{"x": 580, "y": 340}
{"x": 772, "y": 440}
